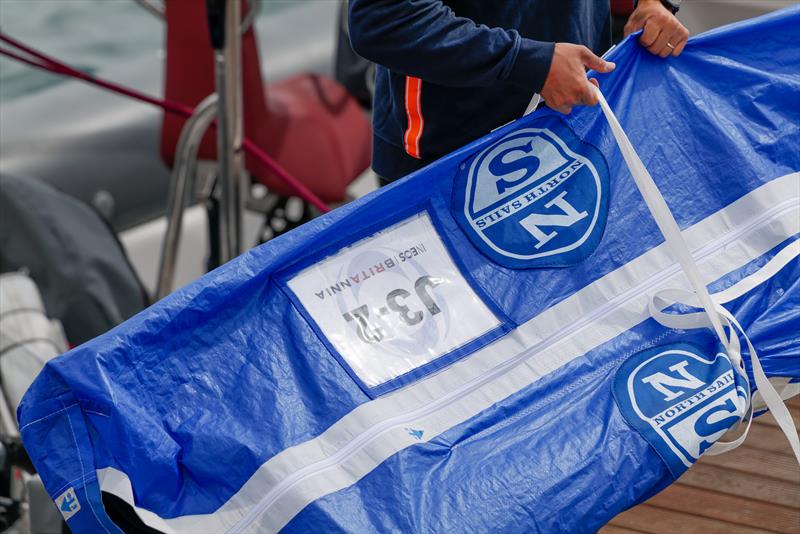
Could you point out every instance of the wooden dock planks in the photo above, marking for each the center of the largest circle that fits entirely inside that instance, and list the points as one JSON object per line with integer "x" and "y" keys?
{"x": 755, "y": 488}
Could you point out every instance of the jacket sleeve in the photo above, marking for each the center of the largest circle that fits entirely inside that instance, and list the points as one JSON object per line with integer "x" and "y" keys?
{"x": 425, "y": 39}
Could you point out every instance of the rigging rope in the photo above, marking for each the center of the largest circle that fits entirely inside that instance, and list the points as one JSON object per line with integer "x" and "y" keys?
{"x": 42, "y": 61}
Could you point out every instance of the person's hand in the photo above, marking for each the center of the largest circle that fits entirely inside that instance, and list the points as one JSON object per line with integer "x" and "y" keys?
{"x": 566, "y": 84}
{"x": 663, "y": 34}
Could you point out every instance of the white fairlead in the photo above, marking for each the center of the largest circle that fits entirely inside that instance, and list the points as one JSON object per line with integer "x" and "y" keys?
{"x": 713, "y": 314}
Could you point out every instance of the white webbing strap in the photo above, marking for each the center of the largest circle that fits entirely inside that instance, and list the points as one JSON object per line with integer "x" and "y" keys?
{"x": 713, "y": 314}
{"x": 771, "y": 397}
{"x": 662, "y": 215}
{"x": 685, "y": 321}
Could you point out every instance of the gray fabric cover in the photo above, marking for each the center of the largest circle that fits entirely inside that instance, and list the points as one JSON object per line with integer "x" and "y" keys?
{"x": 71, "y": 253}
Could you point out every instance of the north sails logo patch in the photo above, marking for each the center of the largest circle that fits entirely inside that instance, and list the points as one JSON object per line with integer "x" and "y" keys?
{"x": 680, "y": 399}
{"x": 538, "y": 197}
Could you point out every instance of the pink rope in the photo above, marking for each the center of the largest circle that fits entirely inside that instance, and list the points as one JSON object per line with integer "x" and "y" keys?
{"x": 57, "y": 67}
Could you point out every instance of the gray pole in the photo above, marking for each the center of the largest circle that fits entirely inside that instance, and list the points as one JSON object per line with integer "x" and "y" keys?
{"x": 228, "y": 70}
{"x": 181, "y": 189}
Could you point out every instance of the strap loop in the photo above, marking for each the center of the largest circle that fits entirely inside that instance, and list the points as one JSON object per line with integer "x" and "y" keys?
{"x": 713, "y": 314}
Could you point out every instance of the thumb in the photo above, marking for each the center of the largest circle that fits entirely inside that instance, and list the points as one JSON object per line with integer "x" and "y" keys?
{"x": 596, "y": 63}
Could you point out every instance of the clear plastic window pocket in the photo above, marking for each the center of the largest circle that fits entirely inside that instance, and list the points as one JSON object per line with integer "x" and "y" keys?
{"x": 394, "y": 307}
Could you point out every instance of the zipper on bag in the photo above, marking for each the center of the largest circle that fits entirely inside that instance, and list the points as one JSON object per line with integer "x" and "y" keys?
{"x": 570, "y": 330}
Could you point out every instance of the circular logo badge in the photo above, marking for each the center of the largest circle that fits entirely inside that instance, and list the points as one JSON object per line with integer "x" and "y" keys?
{"x": 537, "y": 197}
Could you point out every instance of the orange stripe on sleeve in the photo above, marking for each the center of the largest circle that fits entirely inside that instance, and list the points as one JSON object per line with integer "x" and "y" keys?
{"x": 416, "y": 122}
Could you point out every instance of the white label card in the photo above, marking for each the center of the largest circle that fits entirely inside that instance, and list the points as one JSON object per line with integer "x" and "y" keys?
{"x": 393, "y": 302}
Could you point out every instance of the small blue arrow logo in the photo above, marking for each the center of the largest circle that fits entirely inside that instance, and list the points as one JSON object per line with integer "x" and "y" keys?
{"x": 69, "y": 503}
{"x": 415, "y": 433}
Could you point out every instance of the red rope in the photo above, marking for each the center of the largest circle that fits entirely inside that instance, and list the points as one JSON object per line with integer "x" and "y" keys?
{"x": 53, "y": 65}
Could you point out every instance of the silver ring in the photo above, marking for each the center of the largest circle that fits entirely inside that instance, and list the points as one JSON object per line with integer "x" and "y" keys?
{"x": 669, "y": 45}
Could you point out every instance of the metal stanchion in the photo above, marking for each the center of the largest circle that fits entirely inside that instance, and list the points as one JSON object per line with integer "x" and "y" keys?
{"x": 181, "y": 186}
{"x": 225, "y": 26}
{"x": 224, "y": 21}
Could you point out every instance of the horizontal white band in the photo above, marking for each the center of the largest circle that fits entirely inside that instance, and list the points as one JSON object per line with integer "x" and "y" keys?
{"x": 375, "y": 430}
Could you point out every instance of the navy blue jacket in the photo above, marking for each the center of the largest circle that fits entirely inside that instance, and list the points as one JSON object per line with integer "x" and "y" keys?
{"x": 450, "y": 71}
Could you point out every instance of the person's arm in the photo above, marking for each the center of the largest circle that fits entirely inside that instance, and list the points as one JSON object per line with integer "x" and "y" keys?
{"x": 425, "y": 39}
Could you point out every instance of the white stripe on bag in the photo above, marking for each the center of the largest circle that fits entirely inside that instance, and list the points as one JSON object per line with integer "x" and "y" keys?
{"x": 351, "y": 448}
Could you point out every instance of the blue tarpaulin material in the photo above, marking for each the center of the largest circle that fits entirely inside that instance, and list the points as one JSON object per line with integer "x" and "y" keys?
{"x": 470, "y": 349}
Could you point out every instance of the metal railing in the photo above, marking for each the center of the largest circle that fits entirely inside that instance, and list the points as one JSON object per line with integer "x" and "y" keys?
{"x": 225, "y": 106}
{"x": 230, "y": 132}
{"x": 181, "y": 186}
